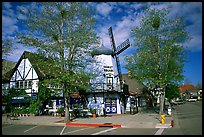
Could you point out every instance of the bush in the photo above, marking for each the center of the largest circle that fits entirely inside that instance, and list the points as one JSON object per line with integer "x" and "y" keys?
{"x": 60, "y": 110}
{"x": 93, "y": 111}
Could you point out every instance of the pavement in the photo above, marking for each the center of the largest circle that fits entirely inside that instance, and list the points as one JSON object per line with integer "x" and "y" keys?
{"x": 142, "y": 119}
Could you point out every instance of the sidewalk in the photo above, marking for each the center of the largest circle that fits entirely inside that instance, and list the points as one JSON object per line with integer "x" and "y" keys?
{"x": 143, "y": 119}
{"x": 35, "y": 120}
{"x": 139, "y": 120}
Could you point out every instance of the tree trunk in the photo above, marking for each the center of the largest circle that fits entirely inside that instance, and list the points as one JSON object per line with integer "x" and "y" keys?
{"x": 66, "y": 101}
{"x": 162, "y": 98}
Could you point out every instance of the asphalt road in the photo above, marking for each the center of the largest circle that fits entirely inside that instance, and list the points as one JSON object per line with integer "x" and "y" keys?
{"x": 188, "y": 121}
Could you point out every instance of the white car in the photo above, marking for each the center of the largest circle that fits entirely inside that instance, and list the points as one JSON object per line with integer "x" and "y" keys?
{"x": 192, "y": 99}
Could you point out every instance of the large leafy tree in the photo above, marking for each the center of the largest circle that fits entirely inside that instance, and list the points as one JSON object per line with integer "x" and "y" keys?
{"x": 7, "y": 47}
{"x": 160, "y": 55}
{"x": 64, "y": 33}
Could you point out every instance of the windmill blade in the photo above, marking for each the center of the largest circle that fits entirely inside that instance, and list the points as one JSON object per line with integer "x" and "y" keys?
{"x": 123, "y": 46}
{"x": 112, "y": 39}
{"x": 114, "y": 49}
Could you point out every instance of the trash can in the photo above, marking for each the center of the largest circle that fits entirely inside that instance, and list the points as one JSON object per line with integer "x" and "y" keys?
{"x": 162, "y": 119}
{"x": 169, "y": 111}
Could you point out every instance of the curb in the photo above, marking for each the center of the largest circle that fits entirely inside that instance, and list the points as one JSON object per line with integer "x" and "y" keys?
{"x": 94, "y": 125}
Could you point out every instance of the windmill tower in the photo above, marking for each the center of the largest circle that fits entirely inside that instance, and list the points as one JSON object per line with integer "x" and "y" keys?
{"x": 112, "y": 87}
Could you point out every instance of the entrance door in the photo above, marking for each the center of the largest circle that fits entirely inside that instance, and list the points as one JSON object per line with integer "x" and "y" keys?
{"x": 111, "y": 105}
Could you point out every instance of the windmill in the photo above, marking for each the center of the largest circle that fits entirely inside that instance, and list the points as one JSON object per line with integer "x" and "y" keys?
{"x": 110, "y": 97}
{"x": 116, "y": 51}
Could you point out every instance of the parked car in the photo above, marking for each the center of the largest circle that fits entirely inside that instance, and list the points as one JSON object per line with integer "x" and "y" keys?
{"x": 177, "y": 102}
{"x": 192, "y": 99}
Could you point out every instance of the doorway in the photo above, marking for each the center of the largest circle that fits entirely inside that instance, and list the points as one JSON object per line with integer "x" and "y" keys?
{"x": 111, "y": 105}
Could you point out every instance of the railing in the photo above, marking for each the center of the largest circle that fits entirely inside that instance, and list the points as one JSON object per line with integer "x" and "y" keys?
{"x": 103, "y": 87}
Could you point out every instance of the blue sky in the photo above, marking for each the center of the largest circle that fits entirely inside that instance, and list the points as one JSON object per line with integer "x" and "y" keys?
{"x": 122, "y": 16}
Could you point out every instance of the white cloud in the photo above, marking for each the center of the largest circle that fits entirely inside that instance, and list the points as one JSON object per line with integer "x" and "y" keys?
{"x": 9, "y": 21}
{"x": 8, "y": 25}
{"x": 103, "y": 8}
{"x": 192, "y": 12}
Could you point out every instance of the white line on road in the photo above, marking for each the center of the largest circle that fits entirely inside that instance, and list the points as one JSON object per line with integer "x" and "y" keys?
{"x": 159, "y": 132}
{"x": 30, "y": 129}
{"x": 77, "y": 130}
{"x": 62, "y": 130}
{"x": 103, "y": 131}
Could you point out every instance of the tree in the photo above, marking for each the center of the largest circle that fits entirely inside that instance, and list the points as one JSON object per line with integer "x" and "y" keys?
{"x": 199, "y": 86}
{"x": 172, "y": 91}
{"x": 8, "y": 97}
{"x": 64, "y": 33}
{"x": 44, "y": 94}
{"x": 160, "y": 55}
{"x": 7, "y": 47}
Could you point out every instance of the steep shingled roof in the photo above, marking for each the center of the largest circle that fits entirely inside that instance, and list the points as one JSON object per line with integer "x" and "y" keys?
{"x": 186, "y": 87}
{"x": 38, "y": 62}
{"x": 134, "y": 86}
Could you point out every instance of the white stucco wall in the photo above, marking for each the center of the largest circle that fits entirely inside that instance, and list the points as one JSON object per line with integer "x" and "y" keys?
{"x": 27, "y": 72}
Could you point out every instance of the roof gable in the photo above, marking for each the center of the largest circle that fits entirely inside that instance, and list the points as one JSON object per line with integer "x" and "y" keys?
{"x": 38, "y": 63}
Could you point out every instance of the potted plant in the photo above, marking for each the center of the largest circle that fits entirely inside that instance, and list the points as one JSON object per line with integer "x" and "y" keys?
{"x": 93, "y": 111}
{"x": 60, "y": 111}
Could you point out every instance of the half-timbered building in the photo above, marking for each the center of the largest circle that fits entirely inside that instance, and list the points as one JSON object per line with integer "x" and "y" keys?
{"x": 25, "y": 75}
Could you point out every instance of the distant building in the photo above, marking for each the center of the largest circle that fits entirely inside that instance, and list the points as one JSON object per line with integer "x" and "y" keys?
{"x": 188, "y": 91}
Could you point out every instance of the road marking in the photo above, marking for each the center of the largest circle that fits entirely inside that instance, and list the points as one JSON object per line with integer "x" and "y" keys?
{"x": 159, "y": 132}
{"x": 103, "y": 131}
{"x": 30, "y": 129}
{"x": 62, "y": 130}
{"x": 77, "y": 130}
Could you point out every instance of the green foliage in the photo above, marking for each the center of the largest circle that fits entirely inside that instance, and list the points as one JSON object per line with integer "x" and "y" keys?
{"x": 23, "y": 110}
{"x": 13, "y": 93}
{"x": 70, "y": 29}
{"x": 93, "y": 111}
{"x": 60, "y": 110}
{"x": 160, "y": 56}
{"x": 34, "y": 107}
{"x": 44, "y": 93}
{"x": 63, "y": 32}
{"x": 7, "y": 47}
{"x": 172, "y": 91}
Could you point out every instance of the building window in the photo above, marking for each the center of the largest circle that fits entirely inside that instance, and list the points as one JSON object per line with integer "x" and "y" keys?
{"x": 21, "y": 84}
{"x": 17, "y": 84}
{"x": 29, "y": 84}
